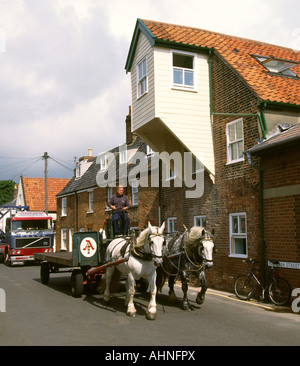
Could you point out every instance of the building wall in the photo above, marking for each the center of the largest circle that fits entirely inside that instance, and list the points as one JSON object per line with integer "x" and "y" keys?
{"x": 282, "y": 209}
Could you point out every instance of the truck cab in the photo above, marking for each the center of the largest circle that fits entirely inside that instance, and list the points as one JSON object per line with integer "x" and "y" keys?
{"x": 27, "y": 232}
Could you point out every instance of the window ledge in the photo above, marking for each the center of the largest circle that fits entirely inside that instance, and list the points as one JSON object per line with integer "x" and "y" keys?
{"x": 184, "y": 89}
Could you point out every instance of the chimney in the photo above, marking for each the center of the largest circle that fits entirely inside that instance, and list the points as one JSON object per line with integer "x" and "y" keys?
{"x": 130, "y": 136}
{"x": 90, "y": 152}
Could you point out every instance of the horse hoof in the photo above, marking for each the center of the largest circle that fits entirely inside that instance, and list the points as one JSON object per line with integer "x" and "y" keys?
{"x": 106, "y": 301}
{"x": 200, "y": 300}
{"x": 131, "y": 313}
{"x": 186, "y": 307}
{"x": 151, "y": 316}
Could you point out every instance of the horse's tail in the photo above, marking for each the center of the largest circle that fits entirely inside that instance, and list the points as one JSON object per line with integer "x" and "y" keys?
{"x": 114, "y": 284}
{"x": 161, "y": 277}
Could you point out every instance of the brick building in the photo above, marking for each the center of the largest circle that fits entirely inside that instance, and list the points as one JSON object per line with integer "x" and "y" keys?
{"x": 216, "y": 96}
{"x": 280, "y": 167}
{"x": 82, "y": 204}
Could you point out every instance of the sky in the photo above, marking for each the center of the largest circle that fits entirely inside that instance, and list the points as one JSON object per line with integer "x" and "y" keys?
{"x": 63, "y": 86}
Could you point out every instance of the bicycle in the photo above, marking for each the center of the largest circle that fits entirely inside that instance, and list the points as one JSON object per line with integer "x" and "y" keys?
{"x": 278, "y": 288}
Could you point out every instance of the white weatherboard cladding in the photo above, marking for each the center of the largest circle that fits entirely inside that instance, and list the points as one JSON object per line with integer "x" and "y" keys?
{"x": 185, "y": 112}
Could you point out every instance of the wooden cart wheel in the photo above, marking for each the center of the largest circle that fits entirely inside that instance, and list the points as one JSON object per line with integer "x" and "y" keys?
{"x": 45, "y": 273}
{"x": 77, "y": 283}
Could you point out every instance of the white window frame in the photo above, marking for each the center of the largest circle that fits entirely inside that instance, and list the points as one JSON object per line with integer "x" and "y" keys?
{"x": 200, "y": 220}
{"x": 63, "y": 239}
{"x": 91, "y": 201}
{"x": 142, "y": 80}
{"x": 71, "y": 232}
{"x": 237, "y": 233}
{"x": 64, "y": 206}
{"x": 235, "y": 142}
{"x": 172, "y": 224}
{"x": 123, "y": 157}
{"x": 183, "y": 86}
{"x": 103, "y": 162}
{"x": 109, "y": 193}
{"x": 135, "y": 192}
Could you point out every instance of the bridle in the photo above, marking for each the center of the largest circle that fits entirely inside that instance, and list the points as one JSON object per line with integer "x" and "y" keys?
{"x": 140, "y": 251}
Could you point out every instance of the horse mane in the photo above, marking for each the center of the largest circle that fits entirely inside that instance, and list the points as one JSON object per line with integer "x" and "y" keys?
{"x": 194, "y": 235}
{"x": 141, "y": 239}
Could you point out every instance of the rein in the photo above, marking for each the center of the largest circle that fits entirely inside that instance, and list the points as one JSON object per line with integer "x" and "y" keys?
{"x": 198, "y": 266}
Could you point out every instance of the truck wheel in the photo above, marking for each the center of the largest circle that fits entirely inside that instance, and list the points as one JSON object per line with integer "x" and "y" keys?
{"x": 77, "y": 283}
{"x": 45, "y": 273}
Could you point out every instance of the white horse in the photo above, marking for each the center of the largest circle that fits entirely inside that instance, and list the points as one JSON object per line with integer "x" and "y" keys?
{"x": 141, "y": 260}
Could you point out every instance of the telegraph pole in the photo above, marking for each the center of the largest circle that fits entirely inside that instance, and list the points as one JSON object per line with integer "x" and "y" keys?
{"x": 46, "y": 156}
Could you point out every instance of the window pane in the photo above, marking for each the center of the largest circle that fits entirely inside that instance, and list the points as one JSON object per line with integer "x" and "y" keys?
{"x": 231, "y": 133}
{"x": 242, "y": 224}
{"x": 183, "y": 61}
{"x": 140, "y": 71}
{"x": 144, "y": 63}
{"x": 178, "y": 77}
{"x": 235, "y": 224}
{"x": 239, "y": 130}
{"x": 234, "y": 151}
{"x": 240, "y": 149}
{"x": 240, "y": 246}
{"x": 188, "y": 78}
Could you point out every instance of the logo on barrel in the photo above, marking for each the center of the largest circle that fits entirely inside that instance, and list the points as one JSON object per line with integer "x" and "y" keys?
{"x": 88, "y": 247}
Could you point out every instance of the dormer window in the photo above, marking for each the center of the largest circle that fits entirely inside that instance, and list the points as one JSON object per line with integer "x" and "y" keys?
{"x": 277, "y": 66}
{"x": 183, "y": 70}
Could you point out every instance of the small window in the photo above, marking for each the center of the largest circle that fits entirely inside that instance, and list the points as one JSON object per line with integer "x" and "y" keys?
{"x": 123, "y": 157}
{"x": 64, "y": 206}
{"x": 135, "y": 192}
{"x": 200, "y": 220}
{"x": 172, "y": 224}
{"x": 235, "y": 141}
{"x": 183, "y": 70}
{"x": 142, "y": 78}
{"x": 109, "y": 193}
{"x": 277, "y": 66}
{"x": 103, "y": 162}
{"x": 63, "y": 242}
{"x": 238, "y": 234}
{"x": 91, "y": 199}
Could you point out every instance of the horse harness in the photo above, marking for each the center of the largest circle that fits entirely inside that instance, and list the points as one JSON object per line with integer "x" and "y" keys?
{"x": 190, "y": 256}
{"x": 138, "y": 252}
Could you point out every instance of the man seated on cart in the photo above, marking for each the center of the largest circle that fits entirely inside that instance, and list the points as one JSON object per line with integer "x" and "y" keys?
{"x": 119, "y": 203}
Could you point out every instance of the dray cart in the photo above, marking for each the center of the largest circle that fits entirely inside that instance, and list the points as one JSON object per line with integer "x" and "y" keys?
{"x": 86, "y": 262}
{"x": 88, "y": 251}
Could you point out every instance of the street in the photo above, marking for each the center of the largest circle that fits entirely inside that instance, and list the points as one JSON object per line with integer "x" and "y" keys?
{"x": 38, "y": 314}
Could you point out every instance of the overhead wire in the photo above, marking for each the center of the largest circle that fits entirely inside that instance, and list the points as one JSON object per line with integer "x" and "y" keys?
{"x": 19, "y": 164}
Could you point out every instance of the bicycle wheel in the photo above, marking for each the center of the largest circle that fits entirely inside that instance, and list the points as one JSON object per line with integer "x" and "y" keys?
{"x": 244, "y": 287}
{"x": 279, "y": 291}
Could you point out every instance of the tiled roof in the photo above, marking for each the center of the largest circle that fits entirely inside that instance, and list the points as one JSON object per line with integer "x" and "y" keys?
{"x": 88, "y": 179}
{"x": 286, "y": 137}
{"x": 238, "y": 53}
{"x": 34, "y": 192}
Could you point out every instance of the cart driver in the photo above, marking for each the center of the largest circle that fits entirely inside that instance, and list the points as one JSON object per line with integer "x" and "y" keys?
{"x": 119, "y": 203}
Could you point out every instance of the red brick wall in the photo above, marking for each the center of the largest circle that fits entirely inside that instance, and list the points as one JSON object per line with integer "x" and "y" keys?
{"x": 282, "y": 214}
